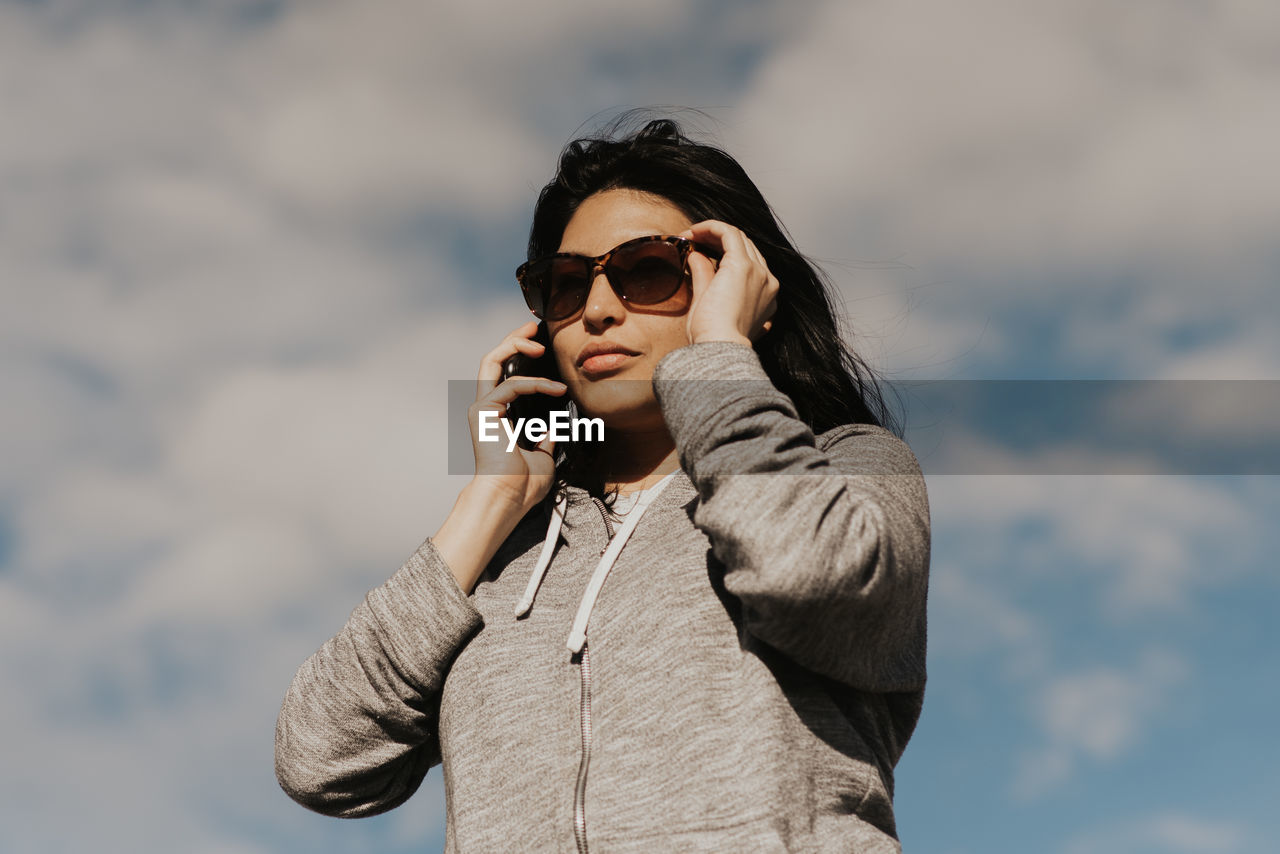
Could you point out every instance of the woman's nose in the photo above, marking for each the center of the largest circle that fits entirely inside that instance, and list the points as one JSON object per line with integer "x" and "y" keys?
{"x": 603, "y": 308}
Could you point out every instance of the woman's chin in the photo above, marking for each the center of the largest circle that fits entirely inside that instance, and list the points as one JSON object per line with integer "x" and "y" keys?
{"x": 615, "y": 398}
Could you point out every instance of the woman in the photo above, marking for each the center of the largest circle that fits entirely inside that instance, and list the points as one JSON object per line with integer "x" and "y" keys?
{"x": 706, "y": 633}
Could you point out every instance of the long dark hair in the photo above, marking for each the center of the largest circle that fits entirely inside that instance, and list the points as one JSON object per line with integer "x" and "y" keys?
{"x": 803, "y": 353}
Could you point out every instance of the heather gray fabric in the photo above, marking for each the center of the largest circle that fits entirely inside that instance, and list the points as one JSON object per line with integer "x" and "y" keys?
{"x": 757, "y": 653}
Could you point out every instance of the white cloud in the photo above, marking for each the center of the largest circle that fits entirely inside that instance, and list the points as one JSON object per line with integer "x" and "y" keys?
{"x": 1063, "y": 158}
{"x": 1141, "y": 539}
{"x": 1131, "y": 553}
{"x": 1164, "y": 833}
{"x": 1098, "y": 713}
{"x": 1000, "y": 130}
{"x": 972, "y": 617}
{"x": 270, "y": 482}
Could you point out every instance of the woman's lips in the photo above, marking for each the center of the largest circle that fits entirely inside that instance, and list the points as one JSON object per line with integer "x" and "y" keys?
{"x": 603, "y": 363}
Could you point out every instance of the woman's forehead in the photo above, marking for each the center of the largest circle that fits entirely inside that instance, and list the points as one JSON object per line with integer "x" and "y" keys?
{"x": 611, "y": 217}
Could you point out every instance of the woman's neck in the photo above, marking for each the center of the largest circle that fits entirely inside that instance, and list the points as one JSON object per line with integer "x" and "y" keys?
{"x": 639, "y": 460}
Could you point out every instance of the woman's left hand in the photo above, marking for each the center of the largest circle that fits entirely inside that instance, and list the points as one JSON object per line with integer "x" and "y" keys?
{"x": 735, "y": 301}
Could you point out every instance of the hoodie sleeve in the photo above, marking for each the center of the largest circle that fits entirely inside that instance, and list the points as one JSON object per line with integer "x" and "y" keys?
{"x": 357, "y": 731}
{"x": 825, "y": 544}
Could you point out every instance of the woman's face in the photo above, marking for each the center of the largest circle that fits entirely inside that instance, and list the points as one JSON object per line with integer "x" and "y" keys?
{"x": 617, "y": 386}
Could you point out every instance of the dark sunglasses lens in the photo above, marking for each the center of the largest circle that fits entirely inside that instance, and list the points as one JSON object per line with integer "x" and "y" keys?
{"x": 567, "y": 281}
{"x": 647, "y": 273}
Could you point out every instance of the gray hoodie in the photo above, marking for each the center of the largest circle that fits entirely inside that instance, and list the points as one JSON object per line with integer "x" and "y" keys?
{"x": 753, "y": 669}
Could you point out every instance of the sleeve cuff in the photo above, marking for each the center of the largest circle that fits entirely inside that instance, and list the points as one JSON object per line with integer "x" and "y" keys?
{"x": 711, "y": 360}
{"x": 724, "y": 413}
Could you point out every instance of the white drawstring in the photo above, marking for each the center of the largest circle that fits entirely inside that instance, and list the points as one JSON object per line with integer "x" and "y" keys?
{"x": 544, "y": 557}
{"x": 578, "y": 635}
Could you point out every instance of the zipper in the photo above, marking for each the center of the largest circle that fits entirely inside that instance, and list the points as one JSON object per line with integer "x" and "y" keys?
{"x": 584, "y": 716}
{"x": 584, "y": 719}
{"x": 604, "y": 514}
{"x": 578, "y": 646}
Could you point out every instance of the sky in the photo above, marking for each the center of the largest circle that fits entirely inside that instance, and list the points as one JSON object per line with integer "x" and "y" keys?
{"x": 245, "y": 244}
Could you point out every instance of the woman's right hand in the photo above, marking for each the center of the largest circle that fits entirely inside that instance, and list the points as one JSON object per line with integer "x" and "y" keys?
{"x": 507, "y": 483}
{"x": 520, "y": 477}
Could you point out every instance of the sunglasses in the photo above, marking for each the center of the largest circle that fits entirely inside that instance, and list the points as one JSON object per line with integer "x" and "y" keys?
{"x": 646, "y": 271}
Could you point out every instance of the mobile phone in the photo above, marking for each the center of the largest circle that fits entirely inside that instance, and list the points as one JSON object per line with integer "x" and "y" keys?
{"x": 533, "y": 405}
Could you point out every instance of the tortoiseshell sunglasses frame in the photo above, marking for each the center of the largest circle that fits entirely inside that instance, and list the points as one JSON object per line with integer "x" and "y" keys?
{"x": 536, "y": 298}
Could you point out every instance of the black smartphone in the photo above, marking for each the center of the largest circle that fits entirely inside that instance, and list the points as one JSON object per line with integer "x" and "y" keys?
{"x": 533, "y": 405}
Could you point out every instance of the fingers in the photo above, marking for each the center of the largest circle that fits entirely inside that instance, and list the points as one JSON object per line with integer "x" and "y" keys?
{"x": 509, "y": 390}
{"x": 738, "y": 249}
{"x": 701, "y": 270}
{"x": 520, "y": 340}
{"x": 731, "y": 241}
{"x": 547, "y": 446}
{"x": 767, "y": 295}
{"x": 747, "y": 288}
{"x": 502, "y": 395}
